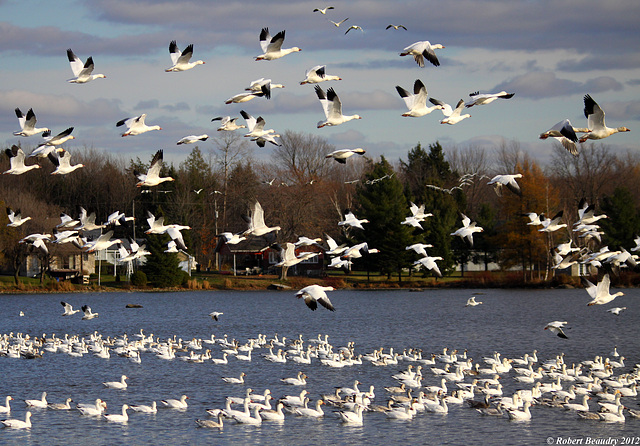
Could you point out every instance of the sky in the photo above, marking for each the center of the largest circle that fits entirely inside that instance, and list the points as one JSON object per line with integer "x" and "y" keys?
{"x": 549, "y": 53}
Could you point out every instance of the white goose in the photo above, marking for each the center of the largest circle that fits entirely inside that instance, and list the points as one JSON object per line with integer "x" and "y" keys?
{"x": 272, "y": 47}
{"x": 39, "y": 404}
{"x": 314, "y": 294}
{"x": 92, "y": 409}
{"x": 351, "y": 220}
{"x": 255, "y": 126}
{"x": 15, "y": 218}
{"x": 177, "y": 404}
{"x": 318, "y": 74}
{"x": 104, "y": 241}
{"x": 273, "y": 415}
{"x": 478, "y": 98}
{"x": 232, "y": 380}
{"x": 6, "y": 408}
{"x": 136, "y": 126}
{"x": 18, "y": 424}
{"x": 350, "y": 417}
{"x": 152, "y": 177}
{"x": 122, "y": 384}
{"x": 508, "y": 181}
{"x": 520, "y": 415}
{"x": 191, "y": 139}
{"x": 595, "y": 121}
{"x": 50, "y": 142}
{"x": 28, "y": 124}
{"x": 256, "y": 419}
{"x": 421, "y": 51}
{"x": 341, "y": 155}
{"x": 82, "y": 72}
{"x": 467, "y": 230}
{"x": 601, "y": 294}
{"x": 416, "y": 102}
{"x": 181, "y": 60}
{"x": 257, "y": 226}
{"x": 118, "y": 417}
{"x": 62, "y": 162}
{"x": 88, "y": 314}
{"x": 227, "y": 123}
{"x": 264, "y": 91}
{"x": 332, "y": 108}
{"x": 456, "y": 115}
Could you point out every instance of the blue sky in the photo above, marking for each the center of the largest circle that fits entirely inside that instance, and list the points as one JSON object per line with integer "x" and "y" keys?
{"x": 550, "y": 54}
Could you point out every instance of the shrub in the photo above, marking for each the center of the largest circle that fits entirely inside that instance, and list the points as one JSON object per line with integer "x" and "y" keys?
{"x": 139, "y": 278}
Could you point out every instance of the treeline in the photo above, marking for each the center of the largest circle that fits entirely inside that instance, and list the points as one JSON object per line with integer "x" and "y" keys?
{"x": 306, "y": 194}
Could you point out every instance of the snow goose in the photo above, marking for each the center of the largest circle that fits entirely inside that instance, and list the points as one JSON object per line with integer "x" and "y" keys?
{"x": 177, "y": 404}
{"x": 508, "y": 181}
{"x": 587, "y": 214}
{"x": 471, "y": 302}
{"x": 351, "y": 220}
{"x": 486, "y": 98}
{"x": 421, "y": 51}
{"x": 273, "y": 415}
{"x": 556, "y": 327}
{"x": 520, "y": 415}
{"x": 456, "y": 115}
{"x": 318, "y": 74}
{"x": 39, "y": 404}
{"x": 255, "y": 125}
{"x": 565, "y": 134}
{"x": 181, "y": 60}
{"x": 101, "y": 243}
{"x": 616, "y": 310}
{"x": 341, "y": 155}
{"x": 15, "y": 218}
{"x": 152, "y": 177}
{"x": 337, "y": 24}
{"x": 354, "y": 27}
{"x": 257, "y": 226}
{"x": 92, "y": 409}
{"x": 272, "y": 47}
{"x": 6, "y": 408}
{"x": 314, "y": 294}
{"x": 553, "y": 224}
{"x": 429, "y": 263}
{"x": 18, "y": 424}
{"x": 227, "y": 123}
{"x": 416, "y": 102}
{"x": 232, "y": 380}
{"x": 88, "y": 314}
{"x": 264, "y": 91}
{"x": 215, "y": 315}
{"x": 467, "y": 230}
{"x": 601, "y": 294}
{"x": 324, "y": 10}
{"x": 212, "y": 424}
{"x": 50, "y": 142}
{"x": 117, "y": 384}
{"x": 61, "y": 406}
{"x": 402, "y": 413}
{"x": 248, "y": 419}
{"x": 396, "y": 27}
{"x": 419, "y": 248}
{"x": 82, "y": 72}
{"x": 577, "y": 406}
{"x": 232, "y": 239}
{"x": 332, "y": 108}
{"x": 258, "y": 83}
{"x": 136, "y": 126}
{"x": 616, "y": 417}
{"x": 28, "y": 124}
{"x": 264, "y": 139}
{"x": 300, "y": 380}
{"x": 293, "y": 400}
{"x": 118, "y": 417}
{"x": 595, "y": 121}
{"x": 62, "y": 162}
{"x": 349, "y": 417}
{"x": 191, "y": 139}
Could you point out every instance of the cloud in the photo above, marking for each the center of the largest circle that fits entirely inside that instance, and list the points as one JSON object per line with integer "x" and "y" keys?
{"x": 544, "y": 84}
{"x": 602, "y": 61}
{"x": 151, "y": 104}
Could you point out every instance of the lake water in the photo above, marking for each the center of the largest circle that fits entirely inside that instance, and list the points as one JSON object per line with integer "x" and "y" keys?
{"x": 509, "y": 321}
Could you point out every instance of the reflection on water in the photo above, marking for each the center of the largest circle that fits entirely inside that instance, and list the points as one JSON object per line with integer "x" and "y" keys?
{"x": 509, "y": 321}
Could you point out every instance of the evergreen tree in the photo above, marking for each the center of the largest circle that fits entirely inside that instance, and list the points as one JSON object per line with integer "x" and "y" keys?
{"x": 623, "y": 222}
{"x": 162, "y": 268}
{"x": 383, "y": 203}
{"x": 424, "y": 169}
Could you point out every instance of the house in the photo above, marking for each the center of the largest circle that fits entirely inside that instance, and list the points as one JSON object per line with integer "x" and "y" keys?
{"x": 256, "y": 256}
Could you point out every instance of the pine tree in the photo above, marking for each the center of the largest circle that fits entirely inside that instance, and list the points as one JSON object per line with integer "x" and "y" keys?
{"x": 382, "y": 202}
{"x": 623, "y": 222}
{"x": 162, "y": 268}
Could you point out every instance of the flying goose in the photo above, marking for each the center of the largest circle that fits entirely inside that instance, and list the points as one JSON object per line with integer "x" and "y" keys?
{"x": 152, "y": 177}
{"x": 595, "y": 121}
{"x": 257, "y": 226}
{"x": 136, "y": 126}
{"x": 16, "y": 160}
{"x": 565, "y": 134}
{"x": 15, "y": 218}
{"x": 421, "y": 51}
{"x": 193, "y": 139}
{"x": 487, "y": 98}
{"x": 332, "y": 108}
{"x": 272, "y": 47}
{"x": 416, "y": 102}
{"x": 50, "y": 142}
{"x": 227, "y": 123}
{"x": 314, "y": 294}
{"x": 62, "y": 162}
{"x": 341, "y": 155}
{"x": 455, "y": 116}
{"x": 28, "y": 124}
{"x": 181, "y": 59}
{"x": 317, "y": 74}
{"x": 82, "y": 72}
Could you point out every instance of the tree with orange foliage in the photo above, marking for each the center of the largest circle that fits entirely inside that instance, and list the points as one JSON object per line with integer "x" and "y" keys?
{"x": 524, "y": 244}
